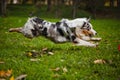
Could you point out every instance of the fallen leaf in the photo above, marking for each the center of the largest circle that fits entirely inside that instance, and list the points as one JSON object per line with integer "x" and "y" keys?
{"x": 44, "y": 49}
{"x": 2, "y": 62}
{"x": 55, "y": 69}
{"x": 2, "y": 73}
{"x": 8, "y": 73}
{"x": 64, "y": 69}
{"x": 34, "y": 60}
{"x": 21, "y": 77}
{"x": 32, "y": 53}
{"x": 50, "y": 53}
{"x": 12, "y": 78}
{"x": 29, "y": 54}
{"x": 99, "y": 61}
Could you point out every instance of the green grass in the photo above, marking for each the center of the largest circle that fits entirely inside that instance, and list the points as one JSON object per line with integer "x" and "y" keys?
{"x": 77, "y": 60}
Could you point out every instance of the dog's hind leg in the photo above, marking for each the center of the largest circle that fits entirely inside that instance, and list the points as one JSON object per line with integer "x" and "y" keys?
{"x": 15, "y": 30}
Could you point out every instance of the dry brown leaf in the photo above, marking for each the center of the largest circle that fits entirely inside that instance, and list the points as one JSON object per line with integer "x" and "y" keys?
{"x": 50, "y": 53}
{"x": 64, "y": 69}
{"x": 99, "y": 61}
{"x": 44, "y": 49}
{"x": 7, "y": 73}
{"x": 32, "y": 53}
{"x": 21, "y": 77}
{"x": 2, "y": 62}
{"x": 34, "y": 60}
{"x": 2, "y": 73}
{"x": 55, "y": 69}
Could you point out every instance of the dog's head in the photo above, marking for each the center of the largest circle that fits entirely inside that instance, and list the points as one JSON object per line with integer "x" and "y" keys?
{"x": 86, "y": 29}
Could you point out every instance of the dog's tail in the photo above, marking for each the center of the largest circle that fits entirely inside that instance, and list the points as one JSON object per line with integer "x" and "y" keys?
{"x": 15, "y": 30}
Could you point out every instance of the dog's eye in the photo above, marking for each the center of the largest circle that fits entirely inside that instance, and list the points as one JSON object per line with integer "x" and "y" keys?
{"x": 87, "y": 24}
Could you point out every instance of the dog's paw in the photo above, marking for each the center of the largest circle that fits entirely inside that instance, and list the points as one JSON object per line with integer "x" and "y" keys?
{"x": 11, "y": 30}
{"x": 93, "y": 45}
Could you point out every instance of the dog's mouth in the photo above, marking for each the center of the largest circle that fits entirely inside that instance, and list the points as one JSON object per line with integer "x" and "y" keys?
{"x": 90, "y": 35}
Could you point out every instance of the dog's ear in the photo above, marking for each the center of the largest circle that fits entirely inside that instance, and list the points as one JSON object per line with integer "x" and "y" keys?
{"x": 38, "y": 20}
{"x": 89, "y": 19}
{"x": 84, "y": 23}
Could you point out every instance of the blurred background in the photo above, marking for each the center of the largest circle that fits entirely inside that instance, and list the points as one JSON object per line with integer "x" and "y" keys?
{"x": 61, "y": 8}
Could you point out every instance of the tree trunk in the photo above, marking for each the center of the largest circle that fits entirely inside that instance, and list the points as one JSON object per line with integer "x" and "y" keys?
{"x": 24, "y": 1}
{"x": 3, "y": 7}
{"x": 48, "y": 5}
{"x": 94, "y": 8}
{"x": 34, "y": 1}
{"x": 58, "y": 8}
{"x": 118, "y": 3}
{"x": 11, "y": 1}
{"x": 111, "y": 3}
{"x": 74, "y": 8}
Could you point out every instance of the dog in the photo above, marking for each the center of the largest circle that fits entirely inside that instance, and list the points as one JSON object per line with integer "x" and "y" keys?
{"x": 58, "y": 32}
{"x": 82, "y": 28}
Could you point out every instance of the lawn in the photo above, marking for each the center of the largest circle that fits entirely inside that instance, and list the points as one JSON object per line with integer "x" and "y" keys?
{"x": 68, "y": 62}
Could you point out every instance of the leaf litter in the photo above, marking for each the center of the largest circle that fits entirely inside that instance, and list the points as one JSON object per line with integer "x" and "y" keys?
{"x": 7, "y": 73}
{"x": 2, "y": 62}
{"x": 35, "y": 54}
{"x": 99, "y": 61}
{"x": 103, "y": 61}
{"x": 21, "y": 77}
{"x": 57, "y": 70}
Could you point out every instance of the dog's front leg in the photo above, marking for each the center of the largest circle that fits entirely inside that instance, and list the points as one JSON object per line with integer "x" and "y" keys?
{"x": 86, "y": 38}
{"x": 95, "y": 39}
{"x": 80, "y": 42}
